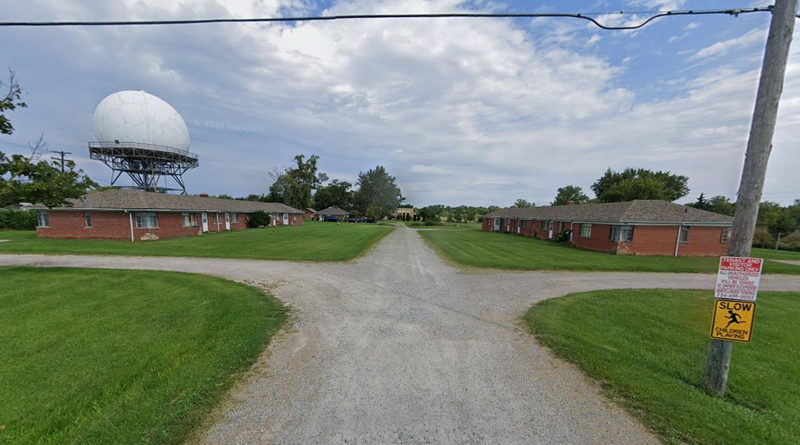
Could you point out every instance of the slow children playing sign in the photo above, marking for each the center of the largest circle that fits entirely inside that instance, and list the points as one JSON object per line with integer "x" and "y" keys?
{"x": 735, "y": 293}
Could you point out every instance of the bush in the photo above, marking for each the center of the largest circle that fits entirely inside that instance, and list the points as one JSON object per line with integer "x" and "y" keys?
{"x": 18, "y": 219}
{"x": 258, "y": 219}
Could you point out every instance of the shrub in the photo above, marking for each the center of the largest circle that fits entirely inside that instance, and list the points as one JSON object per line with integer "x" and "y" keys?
{"x": 18, "y": 220}
{"x": 258, "y": 219}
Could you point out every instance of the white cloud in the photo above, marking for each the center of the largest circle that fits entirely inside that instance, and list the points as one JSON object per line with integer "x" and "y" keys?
{"x": 719, "y": 48}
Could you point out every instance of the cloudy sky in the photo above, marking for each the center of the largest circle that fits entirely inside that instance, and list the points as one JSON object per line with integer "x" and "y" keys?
{"x": 461, "y": 111}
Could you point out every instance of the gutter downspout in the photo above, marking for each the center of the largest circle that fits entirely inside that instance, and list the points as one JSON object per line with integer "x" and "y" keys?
{"x": 678, "y": 240}
{"x": 130, "y": 221}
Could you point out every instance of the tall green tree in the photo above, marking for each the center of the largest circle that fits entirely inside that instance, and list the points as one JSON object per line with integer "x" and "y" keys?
{"x": 295, "y": 186}
{"x": 721, "y": 204}
{"x": 569, "y": 193}
{"x": 378, "y": 193}
{"x": 10, "y": 101}
{"x": 24, "y": 180}
{"x": 336, "y": 193}
{"x": 640, "y": 183}
{"x": 782, "y": 224}
{"x": 520, "y": 203}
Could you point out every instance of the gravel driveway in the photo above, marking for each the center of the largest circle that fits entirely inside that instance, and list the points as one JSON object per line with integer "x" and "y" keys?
{"x": 400, "y": 347}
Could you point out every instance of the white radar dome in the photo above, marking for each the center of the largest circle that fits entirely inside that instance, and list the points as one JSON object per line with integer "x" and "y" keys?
{"x": 139, "y": 117}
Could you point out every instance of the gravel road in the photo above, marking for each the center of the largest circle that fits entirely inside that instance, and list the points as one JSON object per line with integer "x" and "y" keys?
{"x": 399, "y": 347}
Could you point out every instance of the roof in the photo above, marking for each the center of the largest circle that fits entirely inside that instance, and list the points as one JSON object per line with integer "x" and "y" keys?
{"x": 126, "y": 199}
{"x": 333, "y": 210}
{"x": 647, "y": 211}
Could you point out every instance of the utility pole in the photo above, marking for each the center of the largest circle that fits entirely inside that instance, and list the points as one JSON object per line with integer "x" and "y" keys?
{"x": 759, "y": 145}
{"x": 63, "y": 154}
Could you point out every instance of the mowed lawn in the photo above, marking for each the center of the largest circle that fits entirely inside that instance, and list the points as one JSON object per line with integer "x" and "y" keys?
{"x": 509, "y": 251}
{"x": 647, "y": 348}
{"x": 310, "y": 242}
{"x": 112, "y": 356}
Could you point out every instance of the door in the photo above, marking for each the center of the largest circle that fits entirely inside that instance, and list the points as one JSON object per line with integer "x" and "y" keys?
{"x": 518, "y": 225}
{"x": 227, "y": 221}
{"x": 285, "y": 219}
{"x": 550, "y": 230}
{"x": 204, "y": 217}
{"x": 497, "y": 224}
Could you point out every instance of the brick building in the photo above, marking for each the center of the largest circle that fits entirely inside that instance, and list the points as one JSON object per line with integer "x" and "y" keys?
{"x": 137, "y": 215}
{"x": 641, "y": 227}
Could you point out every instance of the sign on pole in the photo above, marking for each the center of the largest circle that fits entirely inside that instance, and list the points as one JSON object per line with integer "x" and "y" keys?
{"x": 733, "y": 320}
{"x": 738, "y": 278}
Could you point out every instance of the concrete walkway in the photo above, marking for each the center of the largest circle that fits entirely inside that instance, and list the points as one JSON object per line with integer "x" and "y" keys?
{"x": 399, "y": 347}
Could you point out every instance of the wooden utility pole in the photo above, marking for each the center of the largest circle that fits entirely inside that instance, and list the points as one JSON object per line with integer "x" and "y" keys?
{"x": 63, "y": 155}
{"x": 759, "y": 145}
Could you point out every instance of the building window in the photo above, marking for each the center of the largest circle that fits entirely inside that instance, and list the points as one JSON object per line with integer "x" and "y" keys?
{"x": 234, "y": 218}
{"x": 684, "y": 234}
{"x": 522, "y": 225}
{"x": 725, "y": 236}
{"x": 146, "y": 220}
{"x": 622, "y": 234}
{"x": 188, "y": 220}
{"x": 87, "y": 220}
{"x": 44, "y": 220}
{"x": 586, "y": 230}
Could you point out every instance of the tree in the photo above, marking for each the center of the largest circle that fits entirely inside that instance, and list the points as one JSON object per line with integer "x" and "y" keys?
{"x": 569, "y": 193}
{"x": 702, "y": 203}
{"x": 336, "y": 193}
{"x": 10, "y": 102}
{"x": 722, "y": 205}
{"x": 768, "y": 213}
{"x": 377, "y": 190}
{"x": 783, "y": 224}
{"x": 640, "y": 183}
{"x": 520, "y": 203}
{"x": 295, "y": 186}
{"x": 23, "y": 180}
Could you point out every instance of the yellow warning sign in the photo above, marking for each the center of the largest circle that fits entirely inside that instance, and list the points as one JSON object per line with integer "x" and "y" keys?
{"x": 733, "y": 320}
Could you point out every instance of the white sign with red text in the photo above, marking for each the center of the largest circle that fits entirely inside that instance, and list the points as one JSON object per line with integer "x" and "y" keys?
{"x": 738, "y": 278}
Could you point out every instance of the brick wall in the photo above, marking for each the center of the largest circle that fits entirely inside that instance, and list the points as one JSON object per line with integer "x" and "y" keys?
{"x": 116, "y": 225}
{"x": 599, "y": 239}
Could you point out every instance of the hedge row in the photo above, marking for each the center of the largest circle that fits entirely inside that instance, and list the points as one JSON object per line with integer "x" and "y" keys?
{"x": 18, "y": 219}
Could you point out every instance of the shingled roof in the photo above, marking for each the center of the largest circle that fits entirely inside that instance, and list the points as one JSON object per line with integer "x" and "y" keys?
{"x": 334, "y": 211}
{"x": 124, "y": 199}
{"x": 648, "y": 211}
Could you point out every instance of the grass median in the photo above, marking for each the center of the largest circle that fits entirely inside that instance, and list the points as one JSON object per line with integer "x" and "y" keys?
{"x": 310, "y": 242}
{"x": 506, "y": 251}
{"x": 648, "y": 349}
{"x": 113, "y": 356}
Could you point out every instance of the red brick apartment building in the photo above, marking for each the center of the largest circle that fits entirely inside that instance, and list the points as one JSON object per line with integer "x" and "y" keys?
{"x": 137, "y": 215}
{"x": 641, "y": 227}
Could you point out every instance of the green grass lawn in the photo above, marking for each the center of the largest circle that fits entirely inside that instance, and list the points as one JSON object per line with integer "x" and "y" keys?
{"x": 310, "y": 242}
{"x": 773, "y": 254}
{"x": 507, "y": 251}
{"x": 113, "y": 356}
{"x": 648, "y": 348}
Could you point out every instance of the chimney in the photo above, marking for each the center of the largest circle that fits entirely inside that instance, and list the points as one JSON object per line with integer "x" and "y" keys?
{"x": 204, "y": 195}
{"x": 570, "y": 203}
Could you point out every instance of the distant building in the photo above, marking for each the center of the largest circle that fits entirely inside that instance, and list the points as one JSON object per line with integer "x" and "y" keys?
{"x": 310, "y": 213}
{"x": 137, "y": 215}
{"x": 641, "y": 227}
{"x": 403, "y": 212}
{"x": 333, "y": 212}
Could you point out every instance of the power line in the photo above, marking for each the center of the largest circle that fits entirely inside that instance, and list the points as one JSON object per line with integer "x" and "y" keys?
{"x": 581, "y": 16}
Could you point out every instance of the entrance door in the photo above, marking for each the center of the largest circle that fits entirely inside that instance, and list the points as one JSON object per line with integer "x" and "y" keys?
{"x": 227, "y": 221}
{"x": 497, "y": 224}
{"x": 550, "y": 230}
{"x": 204, "y": 217}
{"x": 518, "y": 225}
{"x": 285, "y": 219}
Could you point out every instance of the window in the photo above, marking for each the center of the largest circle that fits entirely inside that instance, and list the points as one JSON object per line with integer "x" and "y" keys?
{"x": 684, "y": 234}
{"x": 234, "y": 218}
{"x": 522, "y": 225}
{"x": 622, "y": 234}
{"x": 87, "y": 220}
{"x": 725, "y": 236}
{"x": 188, "y": 220}
{"x": 44, "y": 220}
{"x": 586, "y": 230}
{"x": 146, "y": 220}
